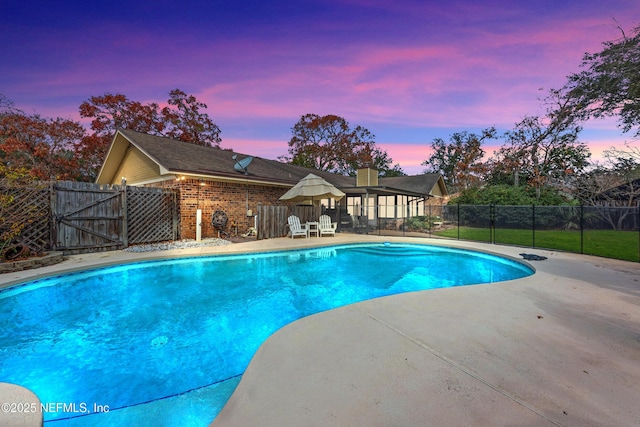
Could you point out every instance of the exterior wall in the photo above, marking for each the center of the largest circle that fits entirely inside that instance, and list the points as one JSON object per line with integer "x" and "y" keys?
{"x": 436, "y": 191}
{"x": 136, "y": 167}
{"x": 232, "y": 198}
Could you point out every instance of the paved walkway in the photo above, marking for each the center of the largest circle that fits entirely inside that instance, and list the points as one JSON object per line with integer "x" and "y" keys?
{"x": 559, "y": 348}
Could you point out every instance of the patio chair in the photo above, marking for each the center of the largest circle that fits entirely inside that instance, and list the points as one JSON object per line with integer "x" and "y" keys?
{"x": 296, "y": 228}
{"x": 325, "y": 226}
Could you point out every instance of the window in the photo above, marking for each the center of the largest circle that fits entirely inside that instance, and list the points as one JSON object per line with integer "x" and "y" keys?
{"x": 387, "y": 206}
{"x": 353, "y": 206}
{"x": 370, "y": 207}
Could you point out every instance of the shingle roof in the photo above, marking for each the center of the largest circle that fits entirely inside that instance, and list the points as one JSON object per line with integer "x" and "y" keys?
{"x": 420, "y": 184}
{"x": 182, "y": 157}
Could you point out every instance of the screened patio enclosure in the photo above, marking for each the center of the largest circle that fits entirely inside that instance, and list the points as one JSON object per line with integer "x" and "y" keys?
{"x": 383, "y": 209}
{"x": 374, "y": 202}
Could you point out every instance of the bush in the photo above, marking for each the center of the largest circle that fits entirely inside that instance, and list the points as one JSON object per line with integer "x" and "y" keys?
{"x": 508, "y": 195}
{"x": 421, "y": 222}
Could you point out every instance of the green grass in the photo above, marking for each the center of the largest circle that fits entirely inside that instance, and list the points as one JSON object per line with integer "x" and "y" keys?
{"x": 606, "y": 243}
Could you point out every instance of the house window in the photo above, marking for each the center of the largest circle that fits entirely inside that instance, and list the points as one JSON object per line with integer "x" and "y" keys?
{"x": 362, "y": 205}
{"x": 370, "y": 207}
{"x": 386, "y": 206}
{"x": 328, "y": 203}
{"x": 416, "y": 207}
{"x": 402, "y": 206}
{"x": 353, "y": 206}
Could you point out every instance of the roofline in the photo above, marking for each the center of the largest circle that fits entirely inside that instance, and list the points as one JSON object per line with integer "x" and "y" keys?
{"x": 167, "y": 174}
{"x": 104, "y": 163}
{"x": 364, "y": 189}
{"x": 229, "y": 178}
{"x": 163, "y": 170}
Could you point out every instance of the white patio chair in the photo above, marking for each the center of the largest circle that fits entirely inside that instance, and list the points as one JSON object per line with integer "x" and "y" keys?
{"x": 325, "y": 226}
{"x": 296, "y": 228}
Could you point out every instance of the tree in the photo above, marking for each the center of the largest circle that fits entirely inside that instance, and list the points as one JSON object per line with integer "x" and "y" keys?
{"x": 108, "y": 113}
{"x": 6, "y": 105}
{"x": 328, "y": 143}
{"x": 186, "y": 123}
{"x": 508, "y": 195}
{"x": 615, "y": 184}
{"x": 543, "y": 150}
{"x": 459, "y": 160}
{"x": 610, "y": 83}
{"x": 181, "y": 120}
{"x": 381, "y": 161}
{"x": 44, "y": 147}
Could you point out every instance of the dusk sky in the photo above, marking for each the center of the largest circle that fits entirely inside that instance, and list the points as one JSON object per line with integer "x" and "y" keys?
{"x": 407, "y": 70}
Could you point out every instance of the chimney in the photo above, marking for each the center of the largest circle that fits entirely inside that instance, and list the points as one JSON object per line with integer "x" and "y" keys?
{"x": 367, "y": 177}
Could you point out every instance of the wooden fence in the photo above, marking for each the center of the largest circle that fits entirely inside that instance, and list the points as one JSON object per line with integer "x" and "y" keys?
{"x": 77, "y": 217}
{"x": 272, "y": 220}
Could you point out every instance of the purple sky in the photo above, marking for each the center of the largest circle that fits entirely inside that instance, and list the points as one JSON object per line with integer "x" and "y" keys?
{"x": 407, "y": 70}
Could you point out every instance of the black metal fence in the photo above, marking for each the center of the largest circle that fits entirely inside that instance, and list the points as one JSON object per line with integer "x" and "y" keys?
{"x": 611, "y": 232}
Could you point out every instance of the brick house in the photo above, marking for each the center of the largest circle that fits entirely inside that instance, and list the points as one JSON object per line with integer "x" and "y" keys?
{"x": 213, "y": 179}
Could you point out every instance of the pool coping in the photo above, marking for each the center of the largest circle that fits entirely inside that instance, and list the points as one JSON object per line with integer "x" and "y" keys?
{"x": 49, "y": 258}
{"x": 556, "y": 348}
{"x": 75, "y": 263}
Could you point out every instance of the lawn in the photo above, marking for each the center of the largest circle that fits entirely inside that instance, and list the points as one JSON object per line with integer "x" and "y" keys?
{"x": 606, "y": 243}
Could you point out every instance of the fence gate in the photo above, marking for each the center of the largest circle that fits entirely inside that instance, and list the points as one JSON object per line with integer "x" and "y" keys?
{"x": 89, "y": 217}
{"x": 86, "y": 217}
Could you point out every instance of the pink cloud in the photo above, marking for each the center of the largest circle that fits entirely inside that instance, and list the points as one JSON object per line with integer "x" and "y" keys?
{"x": 408, "y": 85}
{"x": 456, "y": 72}
{"x": 408, "y": 156}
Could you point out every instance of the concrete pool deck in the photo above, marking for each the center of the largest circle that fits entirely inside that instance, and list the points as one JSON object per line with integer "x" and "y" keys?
{"x": 559, "y": 348}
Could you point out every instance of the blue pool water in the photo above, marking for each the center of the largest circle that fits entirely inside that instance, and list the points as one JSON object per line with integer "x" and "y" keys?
{"x": 166, "y": 342}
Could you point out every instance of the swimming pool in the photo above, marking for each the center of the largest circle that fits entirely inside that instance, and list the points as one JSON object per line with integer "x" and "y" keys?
{"x": 171, "y": 338}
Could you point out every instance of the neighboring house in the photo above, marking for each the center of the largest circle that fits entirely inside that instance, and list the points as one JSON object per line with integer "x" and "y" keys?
{"x": 625, "y": 195}
{"x": 214, "y": 179}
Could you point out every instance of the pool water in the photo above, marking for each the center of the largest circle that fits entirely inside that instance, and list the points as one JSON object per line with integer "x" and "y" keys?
{"x": 166, "y": 342}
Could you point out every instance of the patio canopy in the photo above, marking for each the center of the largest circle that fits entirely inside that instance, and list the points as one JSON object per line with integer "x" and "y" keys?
{"x": 313, "y": 188}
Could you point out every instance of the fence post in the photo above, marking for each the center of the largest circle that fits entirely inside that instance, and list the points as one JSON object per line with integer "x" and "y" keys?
{"x": 458, "y": 221}
{"x": 53, "y": 225}
{"x": 581, "y": 229}
{"x": 492, "y": 223}
{"x": 533, "y": 225}
{"x": 125, "y": 218}
{"x": 175, "y": 226}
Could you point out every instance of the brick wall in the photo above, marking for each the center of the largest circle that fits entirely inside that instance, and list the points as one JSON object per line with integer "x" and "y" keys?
{"x": 232, "y": 198}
